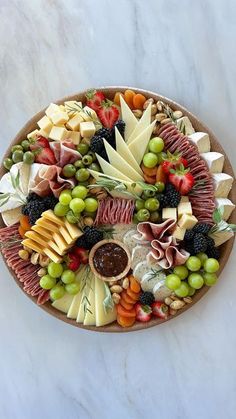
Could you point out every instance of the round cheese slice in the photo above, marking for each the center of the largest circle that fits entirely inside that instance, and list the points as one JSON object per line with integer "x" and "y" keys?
{"x": 11, "y": 216}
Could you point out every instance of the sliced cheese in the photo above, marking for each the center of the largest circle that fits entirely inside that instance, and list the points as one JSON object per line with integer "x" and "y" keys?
{"x": 129, "y": 185}
{"x": 73, "y": 230}
{"x": 82, "y": 307}
{"x": 53, "y": 246}
{"x": 47, "y": 225}
{"x": 228, "y": 207}
{"x": 60, "y": 242}
{"x": 63, "y": 304}
{"x": 90, "y": 315}
{"x": 66, "y": 235}
{"x": 52, "y": 255}
{"x": 142, "y": 124}
{"x": 128, "y": 117}
{"x": 184, "y": 125}
{"x": 49, "y": 215}
{"x": 139, "y": 145}
{"x": 36, "y": 238}
{"x": 222, "y": 183}
{"x": 42, "y": 231}
{"x": 74, "y": 307}
{"x": 201, "y": 140}
{"x": 119, "y": 163}
{"x": 102, "y": 317}
{"x": 123, "y": 150}
{"x": 110, "y": 170}
{"x": 221, "y": 237}
{"x": 33, "y": 245}
{"x": 214, "y": 160}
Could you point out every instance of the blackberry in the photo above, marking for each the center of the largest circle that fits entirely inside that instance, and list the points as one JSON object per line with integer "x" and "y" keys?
{"x": 32, "y": 197}
{"x": 50, "y": 202}
{"x": 146, "y": 298}
{"x": 92, "y": 236}
{"x": 188, "y": 246}
{"x": 202, "y": 228}
{"x": 163, "y": 201}
{"x": 25, "y": 210}
{"x": 210, "y": 241}
{"x": 189, "y": 235}
{"x": 120, "y": 125}
{"x": 82, "y": 242}
{"x": 97, "y": 145}
{"x": 213, "y": 252}
{"x": 104, "y": 133}
{"x": 172, "y": 196}
{"x": 35, "y": 209}
{"x": 199, "y": 243}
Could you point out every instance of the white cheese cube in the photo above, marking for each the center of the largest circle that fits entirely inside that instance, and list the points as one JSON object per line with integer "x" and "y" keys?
{"x": 185, "y": 126}
{"x": 52, "y": 108}
{"x": 221, "y": 237}
{"x": 59, "y": 118}
{"x": 228, "y": 207}
{"x": 58, "y": 133}
{"x": 201, "y": 140}
{"x": 45, "y": 124}
{"x": 72, "y": 107}
{"x": 62, "y": 108}
{"x": 222, "y": 183}
{"x": 74, "y": 123}
{"x": 74, "y": 136}
{"x": 88, "y": 114}
{"x": 184, "y": 199}
{"x": 33, "y": 134}
{"x": 87, "y": 129}
{"x": 214, "y": 160}
{"x": 184, "y": 208}
{"x": 169, "y": 213}
{"x": 187, "y": 221}
{"x": 43, "y": 133}
{"x": 179, "y": 233}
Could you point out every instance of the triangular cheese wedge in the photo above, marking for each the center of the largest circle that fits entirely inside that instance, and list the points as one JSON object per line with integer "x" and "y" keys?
{"x": 128, "y": 117}
{"x": 90, "y": 315}
{"x": 142, "y": 124}
{"x": 139, "y": 145}
{"x": 101, "y": 176}
{"x": 102, "y": 318}
{"x": 123, "y": 150}
{"x": 110, "y": 170}
{"x": 63, "y": 303}
{"x": 119, "y": 163}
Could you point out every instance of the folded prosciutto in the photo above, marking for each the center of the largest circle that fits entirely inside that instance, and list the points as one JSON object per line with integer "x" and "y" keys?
{"x": 65, "y": 152}
{"x": 165, "y": 249}
{"x": 49, "y": 180}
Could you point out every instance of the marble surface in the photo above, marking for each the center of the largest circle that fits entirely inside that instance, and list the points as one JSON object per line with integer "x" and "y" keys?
{"x": 185, "y": 50}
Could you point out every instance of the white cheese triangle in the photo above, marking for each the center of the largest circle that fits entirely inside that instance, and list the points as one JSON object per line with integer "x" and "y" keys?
{"x": 128, "y": 117}
{"x": 129, "y": 185}
{"x": 102, "y": 317}
{"x": 90, "y": 315}
{"x": 139, "y": 145}
{"x": 142, "y": 124}
{"x": 123, "y": 150}
{"x": 110, "y": 170}
{"x": 63, "y": 303}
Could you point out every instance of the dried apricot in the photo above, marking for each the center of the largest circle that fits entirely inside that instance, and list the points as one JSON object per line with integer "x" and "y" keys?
{"x": 127, "y": 298}
{"x": 148, "y": 170}
{"x": 149, "y": 179}
{"x": 24, "y": 222}
{"x": 125, "y": 313}
{"x": 129, "y": 94}
{"x": 21, "y": 232}
{"x": 133, "y": 294}
{"x": 126, "y": 305}
{"x": 161, "y": 176}
{"x": 138, "y": 101}
{"x": 116, "y": 99}
{"x": 125, "y": 321}
{"x": 134, "y": 284}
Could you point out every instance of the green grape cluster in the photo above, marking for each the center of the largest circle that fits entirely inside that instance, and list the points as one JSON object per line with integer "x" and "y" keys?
{"x": 59, "y": 281}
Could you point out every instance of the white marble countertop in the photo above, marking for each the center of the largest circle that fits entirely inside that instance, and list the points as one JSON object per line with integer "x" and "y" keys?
{"x": 185, "y": 50}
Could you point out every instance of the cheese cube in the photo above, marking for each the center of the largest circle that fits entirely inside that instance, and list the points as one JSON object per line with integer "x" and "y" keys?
{"x": 74, "y": 136}
{"x": 201, "y": 140}
{"x": 185, "y": 126}
{"x": 58, "y": 133}
{"x": 184, "y": 208}
{"x": 45, "y": 124}
{"x": 59, "y": 118}
{"x": 221, "y": 237}
{"x": 33, "y": 134}
{"x": 187, "y": 221}
{"x": 228, "y": 207}
{"x": 223, "y": 183}
{"x": 52, "y": 108}
{"x": 62, "y": 108}
{"x": 74, "y": 123}
{"x": 169, "y": 213}
{"x": 87, "y": 129}
{"x": 179, "y": 233}
{"x": 72, "y": 107}
{"x": 214, "y": 160}
{"x": 184, "y": 199}
{"x": 43, "y": 133}
{"x": 88, "y": 114}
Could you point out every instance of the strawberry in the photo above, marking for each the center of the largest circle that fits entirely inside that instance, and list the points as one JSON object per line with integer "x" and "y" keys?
{"x": 160, "y": 310}
{"x": 41, "y": 142}
{"x": 143, "y": 313}
{"x": 73, "y": 262}
{"x": 82, "y": 254}
{"x": 94, "y": 99}
{"x": 172, "y": 161}
{"x": 182, "y": 179}
{"x": 45, "y": 156}
{"x": 108, "y": 114}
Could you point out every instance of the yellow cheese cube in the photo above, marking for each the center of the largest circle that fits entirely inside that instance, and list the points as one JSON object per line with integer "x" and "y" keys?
{"x": 74, "y": 136}
{"x": 87, "y": 129}
{"x": 169, "y": 213}
{"x": 45, "y": 124}
{"x": 187, "y": 221}
{"x": 59, "y": 118}
{"x": 72, "y": 107}
{"x": 179, "y": 233}
{"x": 58, "y": 133}
{"x": 33, "y": 134}
{"x": 74, "y": 123}
{"x": 43, "y": 133}
{"x": 88, "y": 114}
{"x": 63, "y": 108}
{"x": 184, "y": 208}
{"x": 52, "y": 108}
{"x": 184, "y": 199}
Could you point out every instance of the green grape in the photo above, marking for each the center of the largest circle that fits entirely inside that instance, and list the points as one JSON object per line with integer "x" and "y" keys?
{"x": 139, "y": 204}
{"x": 211, "y": 265}
{"x": 152, "y": 204}
{"x": 79, "y": 192}
{"x": 82, "y": 175}
{"x": 148, "y": 193}
{"x": 77, "y": 205}
{"x": 79, "y": 164}
{"x": 172, "y": 281}
{"x": 25, "y": 144}
{"x": 160, "y": 186}
{"x": 60, "y": 210}
{"x": 161, "y": 157}
{"x": 183, "y": 290}
{"x": 28, "y": 157}
{"x": 73, "y": 288}
{"x": 87, "y": 160}
{"x": 209, "y": 278}
{"x": 156, "y": 145}
{"x": 191, "y": 291}
{"x": 47, "y": 282}
{"x": 16, "y": 147}
{"x": 91, "y": 204}
{"x": 154, "y": 216}
{"x": 68, "y": 276}
{"x": 95, "y": 167}
{"x": 83, "y": 148}
{"x": 65, "y": 197}
{"x": 143, "y": 215}
{"x": 71, "y": 218}
{"x": 69, "y": 170}
{"x": 57, "y": 292}
{"x": 150, "y": 160}
{"x": 203, "y": 257}
{"x": 196, "y": 281}
{"x": 55, "y": 269}
{"x": 17, "y": 156}
{"x": 193, "y": 263}
{"x": 8, "y": 163}
{"x": 181, "y": 271}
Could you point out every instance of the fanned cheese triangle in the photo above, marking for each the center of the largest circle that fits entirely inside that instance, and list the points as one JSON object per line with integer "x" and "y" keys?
{"x": 102, "y": 317}
{"x": 110, "y": 170}
{"x": 129, "y": 185}
{"x": 128, "y": 117}
{"x": 123, "y": 150}
{"x": 142, "y": 124}
{"x": 90, "y": 315}
{"x": 139, "y": 145}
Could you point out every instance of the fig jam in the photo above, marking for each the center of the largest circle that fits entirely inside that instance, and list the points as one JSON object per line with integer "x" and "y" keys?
{"x": 110, "y": 259}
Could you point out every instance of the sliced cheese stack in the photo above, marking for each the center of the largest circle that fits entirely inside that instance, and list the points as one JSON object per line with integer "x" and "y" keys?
{"x": 51, "y": 236}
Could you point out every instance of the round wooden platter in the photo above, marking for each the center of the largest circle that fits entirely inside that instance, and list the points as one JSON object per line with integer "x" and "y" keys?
{"x": 226, "y": 248}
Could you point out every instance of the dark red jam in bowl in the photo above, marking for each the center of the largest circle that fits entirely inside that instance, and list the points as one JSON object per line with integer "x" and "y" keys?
{"x": 110, "y": 259}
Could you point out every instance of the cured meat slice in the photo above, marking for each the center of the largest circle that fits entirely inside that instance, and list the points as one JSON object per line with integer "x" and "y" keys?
{"x": 114, "y": 211}
{"x": 49, "y": 179}
{"x": 64, "y": 152}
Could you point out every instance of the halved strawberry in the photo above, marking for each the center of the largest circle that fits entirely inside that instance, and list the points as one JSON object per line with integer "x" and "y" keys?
{"x": 160, "y": 310}
{"x": 45, "y": 156}
{"x": 82, "y": 254}
{"x": 40, "y": 142}
{"x": 108, "y": 114}
{"x": 143, "y": 313}
{"x": 94, "y": 99}
{"x": 172, "y": 161}
{"x": 73, "y": 261}
{"x": 182, "y": 179}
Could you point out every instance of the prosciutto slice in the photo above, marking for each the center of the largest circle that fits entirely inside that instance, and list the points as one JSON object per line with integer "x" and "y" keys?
{"x": 65, "y": 152}
{"x": 115, "y": 211}
{"x": 49, "y": 179}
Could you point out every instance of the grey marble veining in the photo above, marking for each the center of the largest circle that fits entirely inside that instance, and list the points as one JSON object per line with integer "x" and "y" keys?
{"x": 185, "y": 50}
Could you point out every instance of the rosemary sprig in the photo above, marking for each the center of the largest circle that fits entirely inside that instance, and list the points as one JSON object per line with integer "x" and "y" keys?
{"x": 153, "y": 273}
{"x": 10, "y": 242}
{"x": 220, "y": 224}
{"x": 78, "y": 108}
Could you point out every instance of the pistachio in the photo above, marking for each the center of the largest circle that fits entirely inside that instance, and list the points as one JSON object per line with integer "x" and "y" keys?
{"x": 34, "y": 258}
{"x": 153, "y": 109}
{"x": 88, "y": 221}
{"x": 125, "y": 283}
{"x": 137, "y": 112}
{"x": 42, "y": 272}
{"x": 177, "y": 305}
{"x": 159, "y": 106}
{"x": 116, "y": 289}
{"x": 116, "y": 298}
{"x": 174, "y": 297}
{"x": 23, "y": 254}
{"x": 168, "y": 301}
{"x": 145, "y": 105}
{"x": 30, "y": 251}
{"x": 177, "y": 114}
{"x": 172, "y": 311}
{"x": 155, "y": 129}
{"x": 111, "y": 283}
{"x": 160, "y": 116}
{"x": 43, "y": 260}
{"x": 187, "y": 300}
{"x": 165, "y": 121}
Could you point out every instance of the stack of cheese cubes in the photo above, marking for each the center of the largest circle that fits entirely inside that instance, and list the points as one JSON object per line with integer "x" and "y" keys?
{"x": 183, "y": 214}
{"x": 68, "y": 121}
